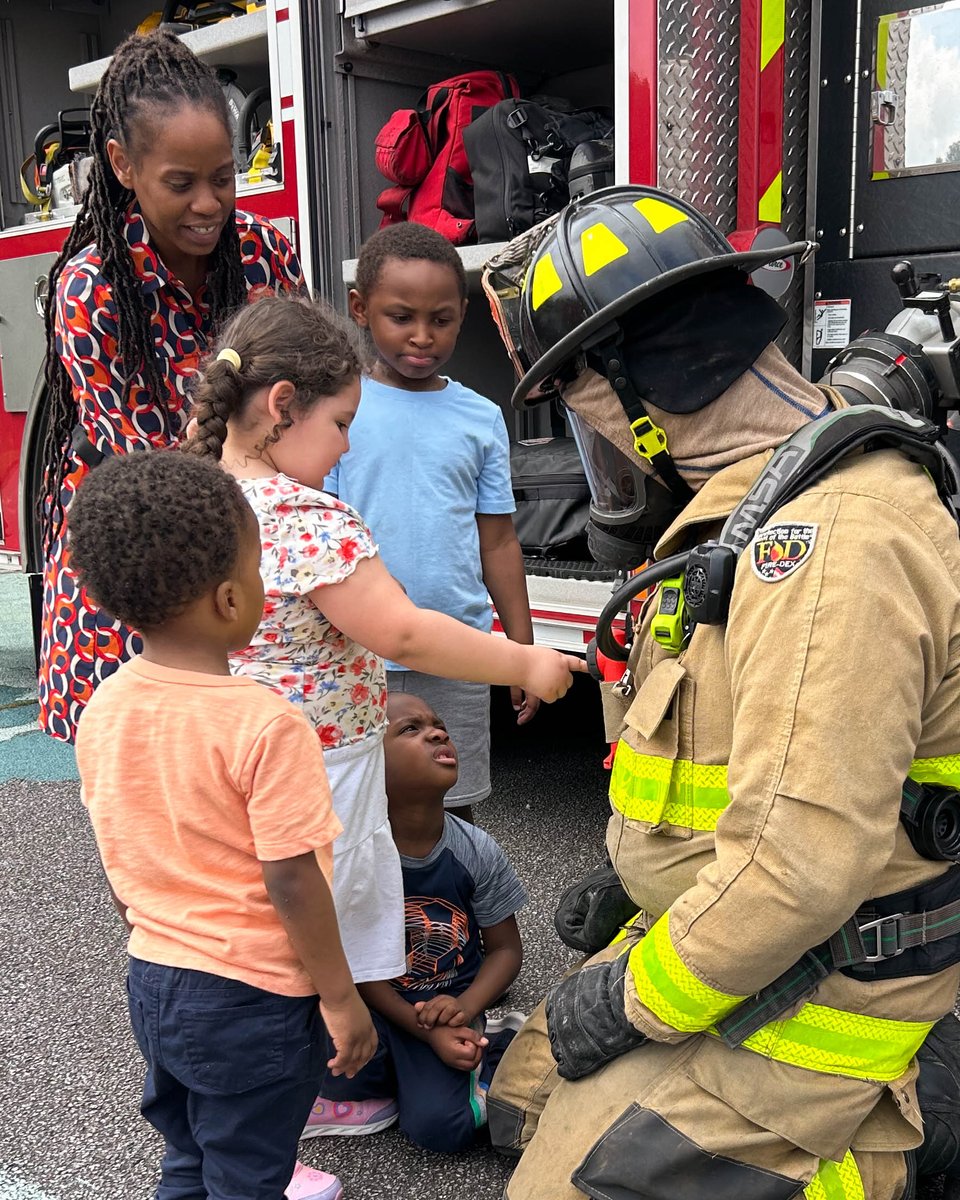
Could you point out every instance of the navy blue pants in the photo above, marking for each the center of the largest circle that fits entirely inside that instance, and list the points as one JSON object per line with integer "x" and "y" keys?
{"x": 441, "y": 1108}
{"x": 232, "y": 1073}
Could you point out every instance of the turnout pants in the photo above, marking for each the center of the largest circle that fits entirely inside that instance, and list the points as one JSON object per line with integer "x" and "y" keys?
{"x": 700, "y": 1121}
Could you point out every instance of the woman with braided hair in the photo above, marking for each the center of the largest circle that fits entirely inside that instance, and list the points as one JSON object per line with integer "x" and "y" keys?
{"x": 157, "y": 258}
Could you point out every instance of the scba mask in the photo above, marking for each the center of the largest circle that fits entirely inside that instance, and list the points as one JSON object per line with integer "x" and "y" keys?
{"x": 629, "y": 509}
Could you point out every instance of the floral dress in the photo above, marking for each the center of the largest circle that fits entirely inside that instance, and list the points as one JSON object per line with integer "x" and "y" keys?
{"x": 310, "y": 540}
{"x": 80, "y": 645}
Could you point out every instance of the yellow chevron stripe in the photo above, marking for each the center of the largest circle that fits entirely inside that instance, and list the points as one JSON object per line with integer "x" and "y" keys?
{"x": 770, "y": 207}
{"x": 772, "y": 29}
{"x": 883, "y": 46}
{"x": 669, "y": 989}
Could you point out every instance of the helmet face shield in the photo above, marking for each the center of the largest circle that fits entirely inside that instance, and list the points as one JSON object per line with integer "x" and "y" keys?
{"x": 617, "y": 486}
{"x": 629, "y": 507}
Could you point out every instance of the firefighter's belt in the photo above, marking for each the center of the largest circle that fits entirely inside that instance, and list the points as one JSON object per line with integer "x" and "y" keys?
{"x": 914, "y": 932}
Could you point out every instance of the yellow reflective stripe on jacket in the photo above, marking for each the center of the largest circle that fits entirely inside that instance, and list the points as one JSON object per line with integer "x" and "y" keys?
{"x": 836, "y": 1181}
{"x": 835, "y": 1042}
{"x": 943, "y": 770}
{"x": 817, "y": 1038}
{"x": 683, "y": 793}
{"x": 672, "y": 992}
{"x": 692, "y": 795}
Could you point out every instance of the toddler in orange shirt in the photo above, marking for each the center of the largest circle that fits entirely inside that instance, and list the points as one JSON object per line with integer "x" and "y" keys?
{"x": 212, "y": 814}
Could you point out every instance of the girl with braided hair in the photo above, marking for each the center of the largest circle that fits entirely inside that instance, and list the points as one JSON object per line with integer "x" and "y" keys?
{"x": 275, "y": 407}
{"x": 156, "y": 260}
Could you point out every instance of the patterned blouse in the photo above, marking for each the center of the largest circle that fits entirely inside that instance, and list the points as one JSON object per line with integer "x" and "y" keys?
{"x": 310, "y": 540}
{"x": 80, "y": 645}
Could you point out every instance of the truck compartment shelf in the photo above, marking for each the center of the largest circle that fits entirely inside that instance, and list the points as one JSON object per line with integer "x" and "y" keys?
{"x": 238, "y": 42}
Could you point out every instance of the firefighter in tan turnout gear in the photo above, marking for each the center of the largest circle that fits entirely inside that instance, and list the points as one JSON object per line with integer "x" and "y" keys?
{"x": 789, "y": 725}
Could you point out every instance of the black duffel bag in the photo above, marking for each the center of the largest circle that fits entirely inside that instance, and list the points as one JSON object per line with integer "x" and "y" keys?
{"x": 519, "y": 154}
{"x": 552, "y": 498}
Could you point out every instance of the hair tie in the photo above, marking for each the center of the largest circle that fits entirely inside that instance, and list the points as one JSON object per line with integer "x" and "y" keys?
{"x": 230, "y": 356}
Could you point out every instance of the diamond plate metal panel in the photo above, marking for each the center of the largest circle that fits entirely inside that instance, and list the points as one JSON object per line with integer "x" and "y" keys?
{"x": 699, "y": 65}
{"x": 898, "y": 60}
{"x": 699, "y": 83}
{"x": 796, "y": 111}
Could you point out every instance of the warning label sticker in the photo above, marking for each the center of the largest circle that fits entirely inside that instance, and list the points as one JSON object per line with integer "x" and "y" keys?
{"x": 831, "y": 324}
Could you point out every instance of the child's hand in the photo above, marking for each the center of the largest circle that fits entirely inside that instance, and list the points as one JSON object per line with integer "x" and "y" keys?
{"x": 352, "y": 1033}
{"x": 459, "y": 1047}
{"x": 525, "y": 704}
{"x": 441, "y": 1010}
{"x": 548, "y": 673}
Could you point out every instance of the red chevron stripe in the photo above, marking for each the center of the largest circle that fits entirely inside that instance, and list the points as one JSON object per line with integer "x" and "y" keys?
{"x": 644, "y": 73}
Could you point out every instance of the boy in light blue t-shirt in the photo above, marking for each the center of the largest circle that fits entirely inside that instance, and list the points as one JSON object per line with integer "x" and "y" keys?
{"x": 429, "y": 467}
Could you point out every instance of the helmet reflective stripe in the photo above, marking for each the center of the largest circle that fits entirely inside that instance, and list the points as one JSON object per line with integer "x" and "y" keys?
{"x": 659, "y": 213}
{"x": 599, "y": 246}
{"x": 546, "y": 282}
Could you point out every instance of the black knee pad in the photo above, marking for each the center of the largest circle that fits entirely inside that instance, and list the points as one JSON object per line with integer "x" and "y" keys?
{"x": 591, "y": 911}
{"x": 643, "y": 1157}
{"x": 938, "y": 1093}
{"x": 505, "y": 1124}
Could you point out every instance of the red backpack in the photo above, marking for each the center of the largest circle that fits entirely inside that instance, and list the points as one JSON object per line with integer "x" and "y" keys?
{"x": 421, "y": 150}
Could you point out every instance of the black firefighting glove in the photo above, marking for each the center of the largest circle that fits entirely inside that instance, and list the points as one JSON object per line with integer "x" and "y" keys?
{"x": 587, "y": 1021}
{"x": 592, "y": 910}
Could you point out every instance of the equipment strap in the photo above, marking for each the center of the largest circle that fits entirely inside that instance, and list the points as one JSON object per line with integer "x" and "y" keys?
{"x": 649, "y": 440}
{"x": 865, "y": 938}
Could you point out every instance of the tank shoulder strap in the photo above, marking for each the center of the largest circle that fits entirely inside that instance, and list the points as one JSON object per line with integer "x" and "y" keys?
{"x": 797, "y": 463}
{"x": 817, "y": 447}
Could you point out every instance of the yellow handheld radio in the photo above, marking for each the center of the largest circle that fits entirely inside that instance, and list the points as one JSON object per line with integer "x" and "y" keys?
{"x": 671, "y": 625}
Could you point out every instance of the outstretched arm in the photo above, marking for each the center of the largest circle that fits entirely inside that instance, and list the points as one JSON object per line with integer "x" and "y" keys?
{"x": 372, "y": 608}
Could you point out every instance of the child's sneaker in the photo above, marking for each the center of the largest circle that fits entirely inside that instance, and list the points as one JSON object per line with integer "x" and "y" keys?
{"x": 346, "y": 1118}
{"x": 511, "y": 1020}
{"x": 308, "y": 1184}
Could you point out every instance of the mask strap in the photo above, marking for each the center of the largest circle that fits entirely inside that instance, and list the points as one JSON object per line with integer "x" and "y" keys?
{"x": 649, "y": 439}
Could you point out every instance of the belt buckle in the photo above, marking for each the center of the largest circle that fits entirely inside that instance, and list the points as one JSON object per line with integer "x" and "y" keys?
{"x": 876, "y": 928}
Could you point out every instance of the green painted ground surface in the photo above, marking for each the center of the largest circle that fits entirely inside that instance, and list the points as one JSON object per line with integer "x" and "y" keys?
{"x": 25, "y": 752}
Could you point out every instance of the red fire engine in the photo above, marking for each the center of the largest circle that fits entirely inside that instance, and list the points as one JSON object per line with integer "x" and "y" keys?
{"x": 774, "y": 117}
